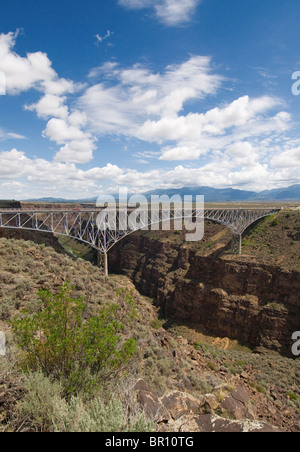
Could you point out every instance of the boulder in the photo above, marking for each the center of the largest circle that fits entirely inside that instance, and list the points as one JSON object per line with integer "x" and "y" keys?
{"x": 150, "y": 402}
{"x": 180, "y": 403}
{"x": 237, "y": 404}
{"x": 208, "y": 423}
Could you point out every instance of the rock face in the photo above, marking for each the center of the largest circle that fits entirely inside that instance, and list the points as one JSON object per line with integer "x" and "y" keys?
{"x": 239, "y": 298}
{"x": 181, "y": 412}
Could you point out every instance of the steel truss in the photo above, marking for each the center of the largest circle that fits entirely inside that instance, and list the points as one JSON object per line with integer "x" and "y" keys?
{"x": 83, "y": 225}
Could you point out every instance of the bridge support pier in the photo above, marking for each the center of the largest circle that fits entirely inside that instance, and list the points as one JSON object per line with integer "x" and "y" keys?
{"x": 236, "y": 244}
{"x": 105, "y": 258}
{"x": 103, "y": 262}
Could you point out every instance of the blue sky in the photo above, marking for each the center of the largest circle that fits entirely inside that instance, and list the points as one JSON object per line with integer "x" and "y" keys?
{"x": 147, "y": 94}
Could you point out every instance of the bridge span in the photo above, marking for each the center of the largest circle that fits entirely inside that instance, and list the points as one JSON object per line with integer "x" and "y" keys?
{"x": 81, "y": 224}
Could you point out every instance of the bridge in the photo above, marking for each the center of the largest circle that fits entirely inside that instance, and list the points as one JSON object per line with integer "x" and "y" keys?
{"x": 83, "y": 224}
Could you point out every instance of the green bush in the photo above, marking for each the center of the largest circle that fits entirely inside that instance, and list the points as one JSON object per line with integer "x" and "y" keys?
{"x": 156, "y": 324}
{"x": 58, "y": 340}
{"x": 275, "y": 222}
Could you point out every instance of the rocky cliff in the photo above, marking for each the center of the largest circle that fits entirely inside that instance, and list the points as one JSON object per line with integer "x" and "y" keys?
{"x": 237, "y": 297}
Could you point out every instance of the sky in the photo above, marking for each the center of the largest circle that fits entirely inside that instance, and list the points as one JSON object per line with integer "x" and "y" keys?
{"x": 145, "y": 94}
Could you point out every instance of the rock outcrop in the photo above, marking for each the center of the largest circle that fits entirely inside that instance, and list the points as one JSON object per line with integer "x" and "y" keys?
{"x": 181, "y": 412}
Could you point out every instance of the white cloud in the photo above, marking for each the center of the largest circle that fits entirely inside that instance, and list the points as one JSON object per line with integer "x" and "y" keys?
{"x": 78, "y": 151}
{"x": 136, "y": 94}
{"x": 60, "y": 131}
{"x": 214, "y": 122}
{"x": 36, "y": 177}
{"x": 174, "y": 12}
{"x": 138, "y": 103}
{"x": 103, "y": 38}
{"x": 39, "y": 176}
{"x": 170, "y": 12}
{"x": 78, "y": 146}
{"x": 50, "y": 105}
{"x": 12, "y": 164}
{"x": 33, "y": 71}
{"x": 287, "y": 159}
{"x": 200, "y": 133}
{"x": 183, "y": 152}
{"x": 4, "y": 135}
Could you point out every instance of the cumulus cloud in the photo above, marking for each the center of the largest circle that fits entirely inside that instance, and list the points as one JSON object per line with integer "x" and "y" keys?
{"x": 65, "y": 179}
{"x": 170, "y": 12}
{"x": 133, "y": 95}
{"x": 20, "y": 174}
{"x": 138, "y": 103}
{"x": 78, "y": 146}
{"x": 174, "y": 12}
{"x": 33, "y": 71}
{"x": 199, "y": 133}
{"x": 50, "y": 105}
{"x": 287, "y": 159}
{"x": 12, "y": 164}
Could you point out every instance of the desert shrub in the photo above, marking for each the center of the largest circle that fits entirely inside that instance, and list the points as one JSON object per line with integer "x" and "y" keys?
{"x": 212, "y": 366}
{"x": 6, "y": 307}
{"x": 46, "y": 409}
{"x": 156, "y": 324}
{"x": 23, "y": 287}
{"x": 14, "y": 268}
{"x": 97, "y": 416}
{"x": 43, "y": 396}
{"x": 58, "y": 340}
{"x": 275, "y": 222}
{"x": 7, "y": 278}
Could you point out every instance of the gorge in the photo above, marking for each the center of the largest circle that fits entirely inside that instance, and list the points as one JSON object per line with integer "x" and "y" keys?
{"x": 253, "y": 300}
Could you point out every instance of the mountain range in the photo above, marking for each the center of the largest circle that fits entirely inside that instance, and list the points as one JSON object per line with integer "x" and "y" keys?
{"x": 287, "y": 194}
{"x": 291, "y": 193}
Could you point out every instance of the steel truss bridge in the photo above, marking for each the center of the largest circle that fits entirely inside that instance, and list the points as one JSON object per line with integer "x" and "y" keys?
{"x": 83, "y": 224}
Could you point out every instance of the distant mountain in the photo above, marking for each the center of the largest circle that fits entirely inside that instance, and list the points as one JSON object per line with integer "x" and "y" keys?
{"x": 233, "y": 195}
{"x": 289, "y": 194}
{"x": 210, "y": 194}
{"x": 282, "y": 194}
{"x": 62, "y": 200}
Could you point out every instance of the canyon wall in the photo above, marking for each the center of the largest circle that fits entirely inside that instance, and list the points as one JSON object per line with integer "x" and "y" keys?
{"x": 232, "y": 296}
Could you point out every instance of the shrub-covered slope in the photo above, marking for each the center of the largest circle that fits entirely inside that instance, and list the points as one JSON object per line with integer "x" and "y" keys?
{"x": 173, "y": 383}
